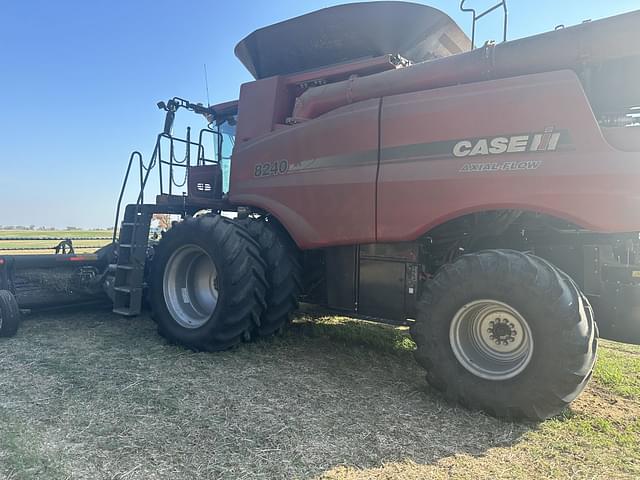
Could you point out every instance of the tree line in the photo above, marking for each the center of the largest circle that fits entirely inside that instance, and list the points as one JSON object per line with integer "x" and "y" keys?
{"x": 42, "y": 228}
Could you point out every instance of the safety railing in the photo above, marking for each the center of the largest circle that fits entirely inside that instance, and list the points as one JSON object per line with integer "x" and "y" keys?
{"x": 477, "y": 16}
{"x": 172, "y": 164}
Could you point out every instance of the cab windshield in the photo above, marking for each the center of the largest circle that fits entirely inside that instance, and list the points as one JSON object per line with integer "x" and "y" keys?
{"x": 228, "y": 131}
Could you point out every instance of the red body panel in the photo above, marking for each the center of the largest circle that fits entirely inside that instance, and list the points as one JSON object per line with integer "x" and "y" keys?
{"x": 589, "y": 183}
{"x": 331, "y": 198}
{"x": 329, "y": 195}
{"x": 264, "y": 104}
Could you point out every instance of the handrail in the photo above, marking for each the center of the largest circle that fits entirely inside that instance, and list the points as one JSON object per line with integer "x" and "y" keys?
{"x": 144, "y": 176}
{"x": 152, "y": 163}
{"x": 477, "y": 17}
{"x": 201, "y": 160}
{"x": 122, "y": 190}
{"x": 156, "y": 159}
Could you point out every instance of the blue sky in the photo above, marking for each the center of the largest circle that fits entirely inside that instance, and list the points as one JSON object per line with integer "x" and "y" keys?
{"x": 79, "y": 81}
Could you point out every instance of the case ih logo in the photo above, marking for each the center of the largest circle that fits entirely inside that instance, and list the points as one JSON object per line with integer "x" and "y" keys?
{"x": 546, "y": 141}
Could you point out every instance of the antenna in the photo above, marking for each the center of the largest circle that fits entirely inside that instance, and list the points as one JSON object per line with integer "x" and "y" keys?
{"x": 206, "y": 84}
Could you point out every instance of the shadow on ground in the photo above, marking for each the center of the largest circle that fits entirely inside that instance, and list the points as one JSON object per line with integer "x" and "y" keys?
{"x": 92, "y": 395}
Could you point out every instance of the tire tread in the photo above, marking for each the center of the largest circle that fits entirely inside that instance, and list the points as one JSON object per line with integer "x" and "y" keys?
{"x": 551, "y": 390}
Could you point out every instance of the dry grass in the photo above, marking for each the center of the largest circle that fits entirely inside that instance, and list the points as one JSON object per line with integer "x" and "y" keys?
{"x": 93, "y": 395}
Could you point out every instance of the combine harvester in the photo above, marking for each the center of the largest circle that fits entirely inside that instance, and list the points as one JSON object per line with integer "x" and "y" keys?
{"x": 383, "y": 168}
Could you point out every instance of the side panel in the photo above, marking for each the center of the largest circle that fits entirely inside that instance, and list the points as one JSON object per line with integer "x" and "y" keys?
{"x": 422, "y": 183}
{"x": 388, "y": 280}
{"x": 262, "y": 105}
{"x": 378, "y": 280}
{"x": 317, "y": 178}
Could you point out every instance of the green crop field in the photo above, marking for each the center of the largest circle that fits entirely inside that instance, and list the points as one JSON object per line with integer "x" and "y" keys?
{"x": 33, "y": 244}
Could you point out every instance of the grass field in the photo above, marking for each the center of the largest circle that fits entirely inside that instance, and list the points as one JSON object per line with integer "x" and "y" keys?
{"x": 38, "y": 246}
{"x": 92, "y": 395}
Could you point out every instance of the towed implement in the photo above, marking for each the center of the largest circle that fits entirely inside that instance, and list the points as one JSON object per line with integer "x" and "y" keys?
{"x": 382, "y": 167}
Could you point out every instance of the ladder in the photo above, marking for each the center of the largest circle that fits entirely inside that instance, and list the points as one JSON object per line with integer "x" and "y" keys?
{"x": 128, "y": 284}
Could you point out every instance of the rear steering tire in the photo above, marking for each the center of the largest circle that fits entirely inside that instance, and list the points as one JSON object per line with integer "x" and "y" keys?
{"x": 507, "y": 333}
{"x": 9, "y": 314}
{"x": 207, "y": 284}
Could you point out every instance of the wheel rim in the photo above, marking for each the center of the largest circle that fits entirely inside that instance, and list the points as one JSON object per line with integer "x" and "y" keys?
{"x": 190, "y": 286}
{"x": 491, "y": 339}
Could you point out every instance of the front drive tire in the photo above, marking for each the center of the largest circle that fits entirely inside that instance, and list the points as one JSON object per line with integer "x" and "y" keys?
{"x": 207, "y": 284}
{"x": 507, "y": 333}
{"x": 283, "y": 271}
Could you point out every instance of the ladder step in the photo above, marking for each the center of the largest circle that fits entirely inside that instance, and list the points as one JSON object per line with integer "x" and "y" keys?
{"x": 126, "y": 312}
{"x": 131, "y": 245}
{"x": 124, "y": 289}
{"x": 130, "y": 290}
{"x": 126, "y": 267}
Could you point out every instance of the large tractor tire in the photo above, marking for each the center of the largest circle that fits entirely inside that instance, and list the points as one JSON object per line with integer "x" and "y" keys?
{"x": 207, "y": 284}
{"x": 283, "y": 270}
{"x": 9, "y": 314}
{"x": 507, "y": 333}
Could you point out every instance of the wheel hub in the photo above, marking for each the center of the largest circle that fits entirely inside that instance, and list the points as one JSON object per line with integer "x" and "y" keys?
{"x": 190, "y": 286}
{"x": 491, "y": 339}
{"x": 501, "y": 331}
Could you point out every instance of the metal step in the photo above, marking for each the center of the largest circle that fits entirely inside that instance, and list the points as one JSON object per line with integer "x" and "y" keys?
{"x": 129, "y": 281}
{"x": 125, "y": 267}
{"x": 123, "y": 289}
{"x": 125, "y": 312}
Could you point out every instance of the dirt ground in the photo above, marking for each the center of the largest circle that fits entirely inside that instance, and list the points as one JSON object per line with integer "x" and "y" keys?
{"x": 89, "y": 394}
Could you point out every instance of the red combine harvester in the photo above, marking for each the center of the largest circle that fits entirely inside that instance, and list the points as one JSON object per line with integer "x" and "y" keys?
{"x": 383, "y": 168}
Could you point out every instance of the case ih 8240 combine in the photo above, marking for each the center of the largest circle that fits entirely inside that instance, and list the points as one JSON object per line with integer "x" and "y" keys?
{"x": 384, "y": 168}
